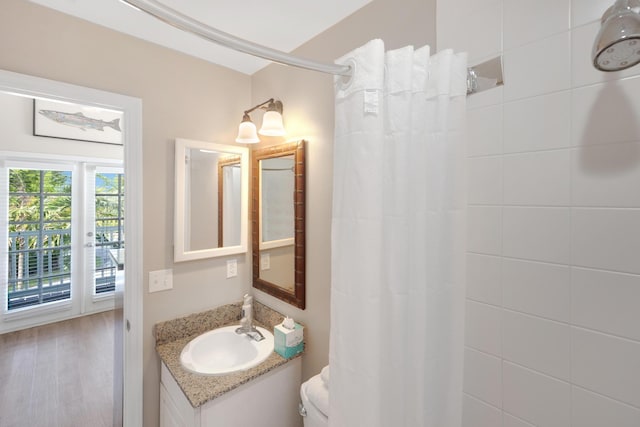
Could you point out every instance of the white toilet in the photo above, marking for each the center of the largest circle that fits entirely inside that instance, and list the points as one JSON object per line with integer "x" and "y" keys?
{"x": 315, "y": 400}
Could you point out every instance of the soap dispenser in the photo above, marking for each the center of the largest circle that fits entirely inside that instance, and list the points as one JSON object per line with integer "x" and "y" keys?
{"x": 247, "y": 310}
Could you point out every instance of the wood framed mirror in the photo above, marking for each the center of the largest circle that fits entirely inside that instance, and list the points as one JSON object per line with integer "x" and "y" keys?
{"x": 278, "y": 221}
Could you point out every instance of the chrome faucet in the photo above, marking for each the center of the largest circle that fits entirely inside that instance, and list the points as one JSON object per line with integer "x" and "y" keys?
{"x": 246, "y": 323}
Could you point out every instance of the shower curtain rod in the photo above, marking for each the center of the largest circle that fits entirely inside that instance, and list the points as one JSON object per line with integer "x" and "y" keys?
{"x": 479, "y": 78}
{"x": 185, "y": 23}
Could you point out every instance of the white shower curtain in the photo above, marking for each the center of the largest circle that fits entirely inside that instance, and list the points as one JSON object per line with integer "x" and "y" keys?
{"x": 398, "y": 240}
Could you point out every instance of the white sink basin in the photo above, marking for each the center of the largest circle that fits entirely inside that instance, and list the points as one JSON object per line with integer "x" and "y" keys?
{"x": 223, "y": 351}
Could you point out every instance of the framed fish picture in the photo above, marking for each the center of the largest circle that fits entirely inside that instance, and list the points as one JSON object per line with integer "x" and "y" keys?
{"x": 74, "y": 121}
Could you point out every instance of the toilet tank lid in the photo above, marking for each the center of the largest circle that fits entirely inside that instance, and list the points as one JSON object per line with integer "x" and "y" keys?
{"x": 317, "y": 393}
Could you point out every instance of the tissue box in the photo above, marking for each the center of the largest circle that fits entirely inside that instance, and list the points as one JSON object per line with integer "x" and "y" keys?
{"x": 288, "y": 342}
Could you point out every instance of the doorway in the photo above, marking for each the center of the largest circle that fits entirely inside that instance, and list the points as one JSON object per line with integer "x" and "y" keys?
{"x": 128, "y": 302}
{"x": 65, "y": 226}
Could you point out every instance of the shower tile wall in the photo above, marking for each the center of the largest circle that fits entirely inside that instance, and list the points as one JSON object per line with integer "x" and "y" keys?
{"x": 553, "y": 296}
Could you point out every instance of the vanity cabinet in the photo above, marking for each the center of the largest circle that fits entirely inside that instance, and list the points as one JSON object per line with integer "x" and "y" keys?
{"x": 175, "y": 409}
{"x": 270, "y": 400}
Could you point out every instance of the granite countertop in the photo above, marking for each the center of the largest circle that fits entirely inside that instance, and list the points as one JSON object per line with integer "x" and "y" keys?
{"x": 171, "y": 337}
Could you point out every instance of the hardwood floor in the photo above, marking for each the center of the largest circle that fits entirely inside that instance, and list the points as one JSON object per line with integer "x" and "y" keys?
{"x": 58, "y": 375}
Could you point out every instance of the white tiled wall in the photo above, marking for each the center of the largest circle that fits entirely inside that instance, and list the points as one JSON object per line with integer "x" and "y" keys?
{"x": 553, "y": 297}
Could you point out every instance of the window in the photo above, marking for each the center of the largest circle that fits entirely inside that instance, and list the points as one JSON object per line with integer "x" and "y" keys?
{"x": 109, "y": 229}
{"x": 39, "y": 269}
{"x": 64, "y": 224}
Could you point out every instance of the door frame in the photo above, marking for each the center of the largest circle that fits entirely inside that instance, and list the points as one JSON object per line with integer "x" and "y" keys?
{"x": 36, "y": 87}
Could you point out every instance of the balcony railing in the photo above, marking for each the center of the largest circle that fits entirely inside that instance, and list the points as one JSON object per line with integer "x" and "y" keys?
{"x": 38, "y": 275}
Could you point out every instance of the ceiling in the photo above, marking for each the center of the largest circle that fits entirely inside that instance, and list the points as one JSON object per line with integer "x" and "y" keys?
{"x": 280, "y": 24}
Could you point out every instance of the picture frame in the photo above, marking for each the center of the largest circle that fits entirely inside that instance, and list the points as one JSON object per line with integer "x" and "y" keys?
{"x": 67, "y": 120}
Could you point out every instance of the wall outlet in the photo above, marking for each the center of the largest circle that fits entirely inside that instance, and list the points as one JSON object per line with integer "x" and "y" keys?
{"x": 160, "y": 280}
{"x": 232, "y": 268}
{"x": 265, "y": 261}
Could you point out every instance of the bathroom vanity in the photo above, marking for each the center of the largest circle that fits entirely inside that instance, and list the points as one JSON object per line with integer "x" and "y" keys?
{"x": 269, "y": 400}
{"x": 266, "y": 395}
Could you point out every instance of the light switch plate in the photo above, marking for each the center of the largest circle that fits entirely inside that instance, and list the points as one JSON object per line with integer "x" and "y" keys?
{"x": 232, "y": 268}
{"x": 160, "y": 280}
{"x": 265, "y": 261}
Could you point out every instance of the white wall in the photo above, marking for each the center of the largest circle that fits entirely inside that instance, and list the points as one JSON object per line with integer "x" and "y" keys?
{"x": 553, "y": 336}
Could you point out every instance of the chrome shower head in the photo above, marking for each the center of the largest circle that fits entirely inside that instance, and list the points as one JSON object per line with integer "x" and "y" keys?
{"x": 617, "y": 45}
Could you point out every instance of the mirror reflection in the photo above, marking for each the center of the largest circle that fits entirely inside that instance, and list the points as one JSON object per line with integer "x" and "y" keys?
{"x": 278, "y": 221}
{"x": 211, "y": 200}
{"x": 277, "y": 192}
{"x": 229, "y": 192}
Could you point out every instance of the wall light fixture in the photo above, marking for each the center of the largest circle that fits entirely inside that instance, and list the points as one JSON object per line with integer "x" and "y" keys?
{"x": 271, "y": 123}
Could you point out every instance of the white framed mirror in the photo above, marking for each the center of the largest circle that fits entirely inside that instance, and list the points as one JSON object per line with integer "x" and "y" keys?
{"x": 211, "y": 200}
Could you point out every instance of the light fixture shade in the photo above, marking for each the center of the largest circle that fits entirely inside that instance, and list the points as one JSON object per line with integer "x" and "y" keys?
{"x": 272, "y": 124}
{"x": 247, "y": 133}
